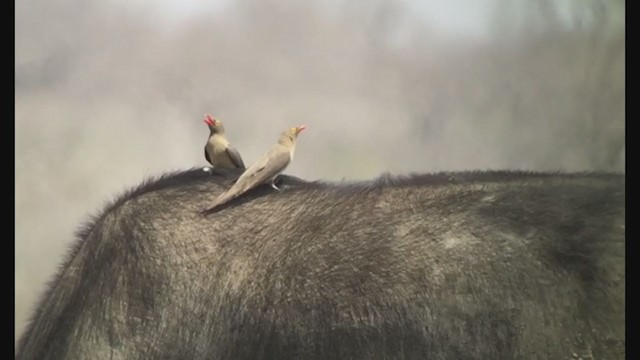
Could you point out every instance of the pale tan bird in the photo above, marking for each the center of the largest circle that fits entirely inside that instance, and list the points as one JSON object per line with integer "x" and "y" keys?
{"x": 218, "y": 152}
{"x": 266, "y": 169}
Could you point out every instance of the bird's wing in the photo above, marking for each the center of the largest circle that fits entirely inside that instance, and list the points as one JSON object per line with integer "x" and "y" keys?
{"x": 270, "y": 165}
{"x": 206, "y": 155}
{"x": 235, "y": 157}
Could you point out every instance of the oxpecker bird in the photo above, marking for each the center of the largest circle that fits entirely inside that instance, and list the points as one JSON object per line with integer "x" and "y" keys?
{"x": 266, "y": 169}
{"x": 218, "y": 151}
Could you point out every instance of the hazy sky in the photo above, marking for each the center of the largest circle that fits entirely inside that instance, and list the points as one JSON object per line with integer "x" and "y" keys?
{"x": 460, "y": 17}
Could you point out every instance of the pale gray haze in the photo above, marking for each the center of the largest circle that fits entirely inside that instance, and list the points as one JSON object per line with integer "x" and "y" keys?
{"x": 110, "y": 92}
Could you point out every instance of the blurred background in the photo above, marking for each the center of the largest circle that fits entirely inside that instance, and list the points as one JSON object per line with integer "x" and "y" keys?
{"x": 109, "y": 92}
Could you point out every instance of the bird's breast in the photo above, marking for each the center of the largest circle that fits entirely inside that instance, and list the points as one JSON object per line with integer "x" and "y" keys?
{"x": 291, "y": 151}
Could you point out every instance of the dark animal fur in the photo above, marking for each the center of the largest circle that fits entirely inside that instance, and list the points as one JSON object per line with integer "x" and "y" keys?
{"x": 470, "y": 265}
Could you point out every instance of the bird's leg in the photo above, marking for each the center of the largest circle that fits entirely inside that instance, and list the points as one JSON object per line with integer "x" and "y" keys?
{"x": 273, "y": 184}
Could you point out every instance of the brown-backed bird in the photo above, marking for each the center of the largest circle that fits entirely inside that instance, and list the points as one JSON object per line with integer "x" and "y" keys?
{"x": 218, "y": 152}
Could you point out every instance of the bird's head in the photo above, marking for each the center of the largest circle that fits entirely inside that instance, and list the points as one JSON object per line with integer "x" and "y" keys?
{"x": 291, "y": 134}
{"x": 215, "y": 125}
